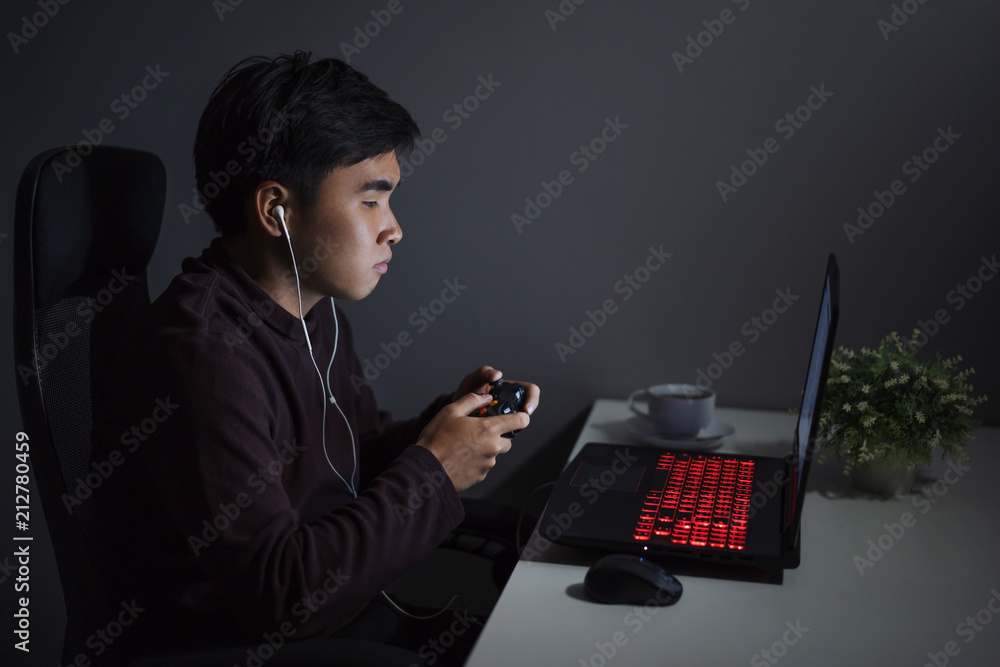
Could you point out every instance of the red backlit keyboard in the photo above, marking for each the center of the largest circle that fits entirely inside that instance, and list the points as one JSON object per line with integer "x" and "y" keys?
{"x": 698, "y": 500}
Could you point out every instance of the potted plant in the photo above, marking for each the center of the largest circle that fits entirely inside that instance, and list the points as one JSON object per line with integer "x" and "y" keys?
{"x": 884, "y": 412}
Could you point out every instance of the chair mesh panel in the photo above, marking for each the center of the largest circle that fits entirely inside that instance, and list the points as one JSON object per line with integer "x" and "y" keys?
{"x": 65, "y": 381}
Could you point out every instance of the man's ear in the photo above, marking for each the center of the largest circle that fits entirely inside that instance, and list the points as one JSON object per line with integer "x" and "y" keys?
{"x": 266, "y": 197}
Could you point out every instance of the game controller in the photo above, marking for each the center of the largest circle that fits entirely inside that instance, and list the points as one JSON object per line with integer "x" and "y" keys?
{"x": 507, "y": 397}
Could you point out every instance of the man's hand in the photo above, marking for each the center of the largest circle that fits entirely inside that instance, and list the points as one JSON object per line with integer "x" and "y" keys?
{"x": 468, "y": 447}
{"x": 478, "y": 382}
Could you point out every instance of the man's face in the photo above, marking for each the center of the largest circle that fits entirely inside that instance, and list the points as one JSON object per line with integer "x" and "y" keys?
{"x": 342, "y": 241}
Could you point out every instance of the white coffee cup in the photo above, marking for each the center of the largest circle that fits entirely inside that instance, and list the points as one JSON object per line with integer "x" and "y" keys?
{"x": 677, "y": 410}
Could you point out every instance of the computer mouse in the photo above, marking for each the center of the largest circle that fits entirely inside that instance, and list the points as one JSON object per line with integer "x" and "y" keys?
{"x": 627, "y": 579}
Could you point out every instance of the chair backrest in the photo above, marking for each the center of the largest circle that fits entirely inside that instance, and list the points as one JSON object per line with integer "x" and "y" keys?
{"x": 85, "y": 229}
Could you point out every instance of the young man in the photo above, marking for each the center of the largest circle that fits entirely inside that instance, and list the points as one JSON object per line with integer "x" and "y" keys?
{"x": 260, "y": 492}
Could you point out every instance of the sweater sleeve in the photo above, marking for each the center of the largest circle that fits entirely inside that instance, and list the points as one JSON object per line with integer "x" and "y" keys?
{"x": 381, "y": 439}
{"x": 380, "y": 446}
{"x": 214, "y": 469}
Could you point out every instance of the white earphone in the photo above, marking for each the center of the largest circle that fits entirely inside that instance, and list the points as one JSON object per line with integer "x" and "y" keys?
{"x": 327, "y": 389}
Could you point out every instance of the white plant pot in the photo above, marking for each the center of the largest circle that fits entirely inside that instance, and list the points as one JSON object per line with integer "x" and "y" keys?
{"x": 884, "y": 480}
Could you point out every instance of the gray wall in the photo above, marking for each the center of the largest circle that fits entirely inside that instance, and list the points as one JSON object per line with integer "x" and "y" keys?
{"x": 654, "y": 186}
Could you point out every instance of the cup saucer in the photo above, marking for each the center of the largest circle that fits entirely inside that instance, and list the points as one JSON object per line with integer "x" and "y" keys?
{"x": 709, "y": 437}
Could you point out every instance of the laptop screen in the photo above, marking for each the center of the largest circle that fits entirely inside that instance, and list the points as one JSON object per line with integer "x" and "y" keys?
{"x": 810, "y": 395}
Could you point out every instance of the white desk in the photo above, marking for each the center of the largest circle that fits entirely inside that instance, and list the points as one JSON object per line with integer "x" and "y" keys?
{"x": 911, "y": 601}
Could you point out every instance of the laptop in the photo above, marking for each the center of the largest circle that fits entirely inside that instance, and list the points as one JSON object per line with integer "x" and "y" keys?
{"x": 726, "y": 508}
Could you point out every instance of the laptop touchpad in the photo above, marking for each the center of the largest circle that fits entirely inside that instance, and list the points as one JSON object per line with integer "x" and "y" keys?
{"x": 613, "y": 476}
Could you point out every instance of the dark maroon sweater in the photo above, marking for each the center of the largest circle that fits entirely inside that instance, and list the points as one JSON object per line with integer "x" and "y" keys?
{"x": 224, "y": 518}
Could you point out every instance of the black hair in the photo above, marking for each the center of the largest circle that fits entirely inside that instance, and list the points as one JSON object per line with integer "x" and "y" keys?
{"x": 292, "y": 121}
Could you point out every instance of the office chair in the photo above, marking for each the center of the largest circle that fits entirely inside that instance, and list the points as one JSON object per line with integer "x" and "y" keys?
{"x": 80, "y": 221}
